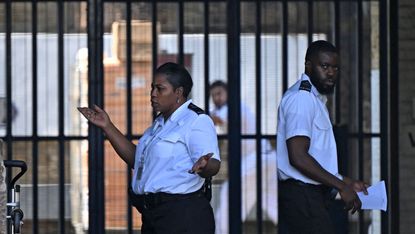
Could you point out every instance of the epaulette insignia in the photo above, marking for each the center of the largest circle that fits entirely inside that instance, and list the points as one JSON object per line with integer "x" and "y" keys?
{"x": 305, "y": 85}
{"x": 196, "y": 109}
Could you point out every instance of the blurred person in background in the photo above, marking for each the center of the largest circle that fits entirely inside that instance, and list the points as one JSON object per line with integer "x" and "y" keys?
{"x": 219, "y": 115}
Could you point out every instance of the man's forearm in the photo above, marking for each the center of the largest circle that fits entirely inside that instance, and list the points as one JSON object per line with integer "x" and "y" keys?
{"x": 312, "y": 169}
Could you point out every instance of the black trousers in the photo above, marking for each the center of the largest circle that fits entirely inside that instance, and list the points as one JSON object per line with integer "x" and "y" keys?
{"x": 189, "y": 214}
{"x": 303, "y": 208}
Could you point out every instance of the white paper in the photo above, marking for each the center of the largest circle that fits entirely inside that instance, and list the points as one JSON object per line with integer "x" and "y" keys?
{"x": 376, "y": 199}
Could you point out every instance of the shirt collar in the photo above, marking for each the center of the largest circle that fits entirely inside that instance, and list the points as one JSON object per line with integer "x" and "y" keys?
{"x": 322, "y": 97}
{"x": 174, "y": 117}
{"x": 178, "y": 112}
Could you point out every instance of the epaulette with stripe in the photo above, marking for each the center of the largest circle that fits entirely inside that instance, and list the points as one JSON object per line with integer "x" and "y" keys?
{"x": 305, "y": 85}
{"x": 196, "y": 109}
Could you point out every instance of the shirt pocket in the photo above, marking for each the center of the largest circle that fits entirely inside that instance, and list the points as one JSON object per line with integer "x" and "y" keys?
{"x": 321, "y": 133}
{"x": 165, "y": 145}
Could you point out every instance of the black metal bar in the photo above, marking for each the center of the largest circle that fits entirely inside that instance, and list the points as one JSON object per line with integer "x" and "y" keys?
{"x": 258, "y": 122}
{"x": 9, "y": 96}
{"x": 61, "y": 82}
{"x": 386, "y": 217}
{"x": 35, "y": 148}
{"x": 181, "y": 33}
{"x": 284, "y": 46}
{"x": 117, "y": 1}
{"x": 45, "y": 138}
{"x": 154, "y": 35}
{"x": 360, "y": 101}
{"x": 129, "y": 106}
{"x": 364, "y": 135}
{"x": 206, "y": 53}
{"x": 337, "y": 33}
{"x": 310, "y": 22}
{"x": 389, "y": 100}
{"x": 95, "y": 138}
{"x": 234, "y": 117}
{"x": 223, "y": 0}
{"x": 394, "y": 113}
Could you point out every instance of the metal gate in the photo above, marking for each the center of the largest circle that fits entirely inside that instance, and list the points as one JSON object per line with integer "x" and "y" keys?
{"x": 57, "y": 55}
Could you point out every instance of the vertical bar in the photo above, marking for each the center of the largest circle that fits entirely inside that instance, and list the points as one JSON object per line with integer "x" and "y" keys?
{"x": 284, "y": 45}
{"x": 155, "y": 41}
{"x": 360, "y": 99}
{"x": 386, "y": 217}
{"x": 9, "y": 96}
{"x": 61, "y": 77}
{"x": 154, "y": 35}
{"x": 95, "y": 138}
{"x": 394, "y": 113}
{"x": 310, "y": 15}
{"x": 389, "y": 100}
{"x": 258, "y": 117}
{"x": 35, "y": 148}
{"x": 181, "y": 33}
{"x": 9, "y": 82}
{"x": 337, "y": 33}
{"x": 234, "y": 117}
{"x": 129, "y": 105}
{"x": 206, "y": 52}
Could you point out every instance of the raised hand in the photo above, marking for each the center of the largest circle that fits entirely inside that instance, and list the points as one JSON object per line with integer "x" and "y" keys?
{"x": 96, "y": 116}
{"x": 217, "y": 120}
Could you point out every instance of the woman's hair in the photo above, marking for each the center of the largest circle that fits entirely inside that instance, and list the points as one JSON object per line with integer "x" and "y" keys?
{"x": 177, "y": 76}
{"x": 319, "y": 46}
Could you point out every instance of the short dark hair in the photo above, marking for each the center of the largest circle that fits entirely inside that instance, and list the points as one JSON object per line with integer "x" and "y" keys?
{"x": 177, "y": 76}
{"x": 219, "y": 83}
{"x": 319, "y": 46}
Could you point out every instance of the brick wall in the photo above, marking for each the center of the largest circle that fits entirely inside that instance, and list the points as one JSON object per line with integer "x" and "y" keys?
{"x": 406, "y": 114}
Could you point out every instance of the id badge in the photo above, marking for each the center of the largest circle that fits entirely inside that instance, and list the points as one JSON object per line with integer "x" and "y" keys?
{"x": 140, "y": 168}
{"x": 139, "y": 172}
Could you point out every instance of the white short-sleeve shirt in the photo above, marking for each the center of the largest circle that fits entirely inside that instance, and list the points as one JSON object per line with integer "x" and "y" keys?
{"x": 169, "y": 150}
{"x": 303, "y": 112}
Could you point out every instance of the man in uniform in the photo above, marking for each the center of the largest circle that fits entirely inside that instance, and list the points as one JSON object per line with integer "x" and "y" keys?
{"x": 306, "y": 149}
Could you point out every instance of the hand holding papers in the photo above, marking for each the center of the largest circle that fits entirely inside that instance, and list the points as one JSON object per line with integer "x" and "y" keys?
{"x": 376, "y": 199}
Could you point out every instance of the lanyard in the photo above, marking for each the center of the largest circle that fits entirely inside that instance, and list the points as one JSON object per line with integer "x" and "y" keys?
{"x": 155, "y": 132}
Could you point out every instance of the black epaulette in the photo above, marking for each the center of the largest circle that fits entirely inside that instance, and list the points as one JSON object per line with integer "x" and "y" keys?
{"x": 196, "y": 109}
{"x": 305, "y": 85}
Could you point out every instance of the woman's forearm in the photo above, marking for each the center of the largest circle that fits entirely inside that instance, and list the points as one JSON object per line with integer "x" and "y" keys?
{"x": 124, "y": 148}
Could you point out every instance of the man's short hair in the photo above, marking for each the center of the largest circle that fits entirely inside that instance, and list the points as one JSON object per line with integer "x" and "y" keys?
{"x": 177, "y": 76}
{"x": 219, "y": 83}
{"x": 317, "y": 47}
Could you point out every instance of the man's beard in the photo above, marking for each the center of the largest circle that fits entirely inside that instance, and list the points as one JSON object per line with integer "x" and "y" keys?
{"x": 325, "y": 90}
{"x": 321, "y": 88}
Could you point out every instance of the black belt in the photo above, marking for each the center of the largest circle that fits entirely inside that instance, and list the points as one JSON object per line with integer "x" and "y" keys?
{"x": 301, "y": 183}
{"x": 153, "y": 200}
{"x": 329, "y": 192}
